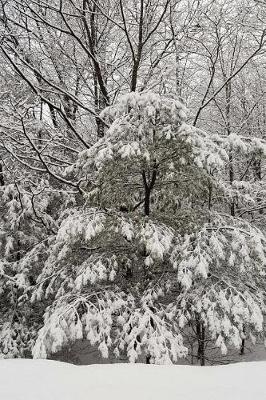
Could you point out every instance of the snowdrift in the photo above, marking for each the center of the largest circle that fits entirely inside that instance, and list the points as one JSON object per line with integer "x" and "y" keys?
{"x": 50, "y": 380}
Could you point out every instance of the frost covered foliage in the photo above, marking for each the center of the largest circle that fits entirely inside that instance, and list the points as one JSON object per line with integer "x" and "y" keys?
{"x": 222, "y": 269}
{"x": 148, "y": 151}
{"x": 100, "y": 272}
{"x": 26, "y": 225}
{"x": 148, "y": 256}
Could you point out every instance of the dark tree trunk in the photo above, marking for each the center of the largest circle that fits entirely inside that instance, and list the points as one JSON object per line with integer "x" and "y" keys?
{"x": 148, "y": 186}
{"x": 148, "y": 359}
{"x": 242, "y": 349}
{"x": 200, "y": 329}
{"x": 243, "y": 343}
{"x": 2, "y": 181}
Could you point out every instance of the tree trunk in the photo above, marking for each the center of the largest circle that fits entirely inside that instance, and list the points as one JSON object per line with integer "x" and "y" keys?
{"x": 200, "y": 329}
{"x": 148, "y": 186}
{"x": 2, "y": 182}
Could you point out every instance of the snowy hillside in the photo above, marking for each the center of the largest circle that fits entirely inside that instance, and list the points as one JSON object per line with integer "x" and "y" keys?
{"x": 49, "y": 380}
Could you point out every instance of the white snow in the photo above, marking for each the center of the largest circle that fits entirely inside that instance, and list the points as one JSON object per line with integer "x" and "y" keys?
{"x": 50, "y": 380}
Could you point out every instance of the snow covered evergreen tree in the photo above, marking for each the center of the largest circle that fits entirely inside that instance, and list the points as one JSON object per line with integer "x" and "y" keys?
{"x": 152, "y": 253}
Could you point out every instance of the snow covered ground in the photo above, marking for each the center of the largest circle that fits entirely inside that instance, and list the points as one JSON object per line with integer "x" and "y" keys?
{"x": 50, "y": 380}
